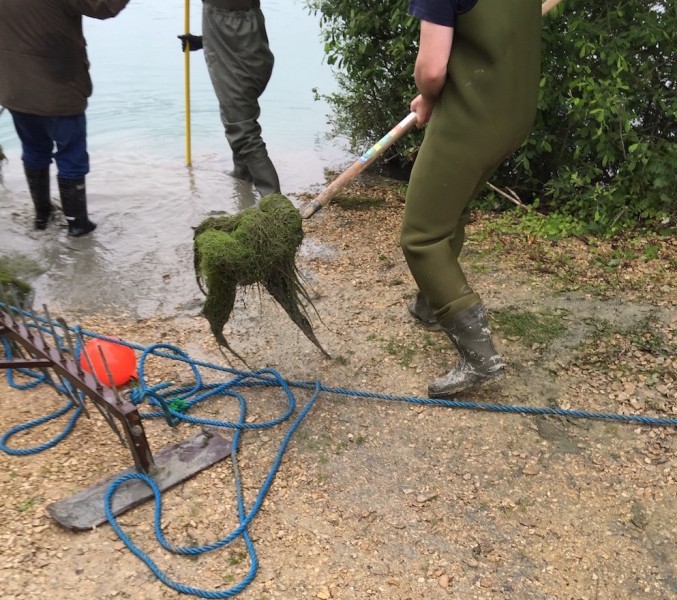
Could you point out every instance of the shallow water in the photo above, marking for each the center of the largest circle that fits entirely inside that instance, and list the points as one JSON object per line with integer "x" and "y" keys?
{"x": 140, "y": 192}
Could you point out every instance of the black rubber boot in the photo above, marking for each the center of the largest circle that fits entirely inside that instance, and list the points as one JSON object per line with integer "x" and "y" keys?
{"x": 38, "y": 184}
{"x": 479, "y": 361}
{"x": 74, "y": 202}
{"x": 265, "y": 176}
{"x": 421, "y": 311}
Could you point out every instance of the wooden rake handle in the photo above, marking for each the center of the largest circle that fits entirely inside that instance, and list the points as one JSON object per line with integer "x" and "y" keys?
{"x": 376, "y": 150}
{"x": 359, "y": 165}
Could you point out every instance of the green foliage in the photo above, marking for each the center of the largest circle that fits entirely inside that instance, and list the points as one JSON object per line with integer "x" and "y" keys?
{"x": 603, "y": 146}
{"x": 602, "y": 151}
{"x": 553, "y": 226}
{"x": 372, "y": 46}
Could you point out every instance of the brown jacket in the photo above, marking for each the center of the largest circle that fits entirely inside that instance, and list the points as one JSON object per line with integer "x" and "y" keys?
{"x": 44, "y": 68}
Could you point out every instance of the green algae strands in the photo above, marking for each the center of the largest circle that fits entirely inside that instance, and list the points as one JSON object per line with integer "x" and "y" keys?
{"x": 257, "y": 246}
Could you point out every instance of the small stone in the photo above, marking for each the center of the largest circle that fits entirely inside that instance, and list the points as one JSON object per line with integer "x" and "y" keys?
{"x": 426, "y": 497}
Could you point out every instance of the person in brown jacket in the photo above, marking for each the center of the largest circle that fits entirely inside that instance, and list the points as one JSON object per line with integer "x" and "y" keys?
{"x": 45, "y": 84}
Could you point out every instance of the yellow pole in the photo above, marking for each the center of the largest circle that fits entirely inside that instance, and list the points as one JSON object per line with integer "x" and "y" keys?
{"x": 186, "y": 63}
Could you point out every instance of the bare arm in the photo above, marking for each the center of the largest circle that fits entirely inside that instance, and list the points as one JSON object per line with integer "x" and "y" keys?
{"x": 430, "y": 70}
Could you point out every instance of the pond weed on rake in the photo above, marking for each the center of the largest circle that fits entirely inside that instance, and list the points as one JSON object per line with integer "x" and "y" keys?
{"x": 254, "y": 247}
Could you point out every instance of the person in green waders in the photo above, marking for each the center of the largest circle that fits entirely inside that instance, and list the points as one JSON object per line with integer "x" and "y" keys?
{"x": 477, "y": 71}
{"x": 240, "y": 64}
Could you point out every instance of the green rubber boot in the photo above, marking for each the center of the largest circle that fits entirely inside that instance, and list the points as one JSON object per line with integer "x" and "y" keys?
{"x": 479, "y": 362}
{"x": 264, "y": 175}
{"x": 240, "y": 169}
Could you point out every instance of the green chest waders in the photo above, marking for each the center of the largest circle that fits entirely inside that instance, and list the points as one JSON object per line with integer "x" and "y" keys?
{"x": 484, "y": 113}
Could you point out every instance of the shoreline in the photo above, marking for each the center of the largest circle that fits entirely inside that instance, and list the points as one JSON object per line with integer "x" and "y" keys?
{"x": 389, "y": 500}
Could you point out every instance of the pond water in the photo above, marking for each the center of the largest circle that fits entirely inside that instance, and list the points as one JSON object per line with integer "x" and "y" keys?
{"x": 141, "y": 193}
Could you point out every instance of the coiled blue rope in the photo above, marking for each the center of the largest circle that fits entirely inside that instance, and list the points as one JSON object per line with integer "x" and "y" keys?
{"x": 245, "y": 517}
{"x": 34, "y": 380}
{"x": 174, "y": 403}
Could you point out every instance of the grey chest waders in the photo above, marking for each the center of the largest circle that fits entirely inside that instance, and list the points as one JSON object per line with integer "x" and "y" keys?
{"x": 240, "y": 65}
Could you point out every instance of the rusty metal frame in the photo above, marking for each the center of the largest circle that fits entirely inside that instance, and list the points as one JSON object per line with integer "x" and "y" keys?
{"x": 170, "y": 465}
{"x": 107, "y": 398}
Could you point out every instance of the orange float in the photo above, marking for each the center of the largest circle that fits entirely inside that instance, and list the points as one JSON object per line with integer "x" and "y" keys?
{"x": 120, "y": 359}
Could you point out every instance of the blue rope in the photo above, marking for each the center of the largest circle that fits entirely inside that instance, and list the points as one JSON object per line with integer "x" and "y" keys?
{"x": 516, "y": 409}
{"x": 173, "y": 404}
{"x": 244, "y": 517}
{"x": 35, "y": 380}
{"x": 31, "y": 424}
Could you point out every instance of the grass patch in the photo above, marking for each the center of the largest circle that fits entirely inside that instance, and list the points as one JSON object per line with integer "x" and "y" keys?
{"x": 28, "y": 504}
{"x": 634, "y": 261}
{"x": 404, "y": 353}
{"x": 357, "y": 202}
{"x": 479, "y": 267}
{"x": 531, "y": 327}
{"x": 236, "y": 558}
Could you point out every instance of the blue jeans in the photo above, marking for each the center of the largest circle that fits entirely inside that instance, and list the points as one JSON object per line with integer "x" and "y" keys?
{"x": 40, "y": 135}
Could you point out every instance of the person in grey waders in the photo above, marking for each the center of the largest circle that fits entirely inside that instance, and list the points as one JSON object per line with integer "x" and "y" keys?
{"x": 240, "y": 64}
{"x": 45, "y": 83}
{"x": 478, "y": 73}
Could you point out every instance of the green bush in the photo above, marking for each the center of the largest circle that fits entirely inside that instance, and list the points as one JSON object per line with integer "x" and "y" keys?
{"x": 602, "y": 151}
{"x": 372, "y": 46}
{"x": 603, "y": 146}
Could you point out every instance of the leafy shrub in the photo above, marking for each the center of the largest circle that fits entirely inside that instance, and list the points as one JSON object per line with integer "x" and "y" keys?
{"x": 602, "y": 151}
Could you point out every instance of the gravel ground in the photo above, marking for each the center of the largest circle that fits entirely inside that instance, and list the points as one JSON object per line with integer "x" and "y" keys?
{"x": 379, "y": 498}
